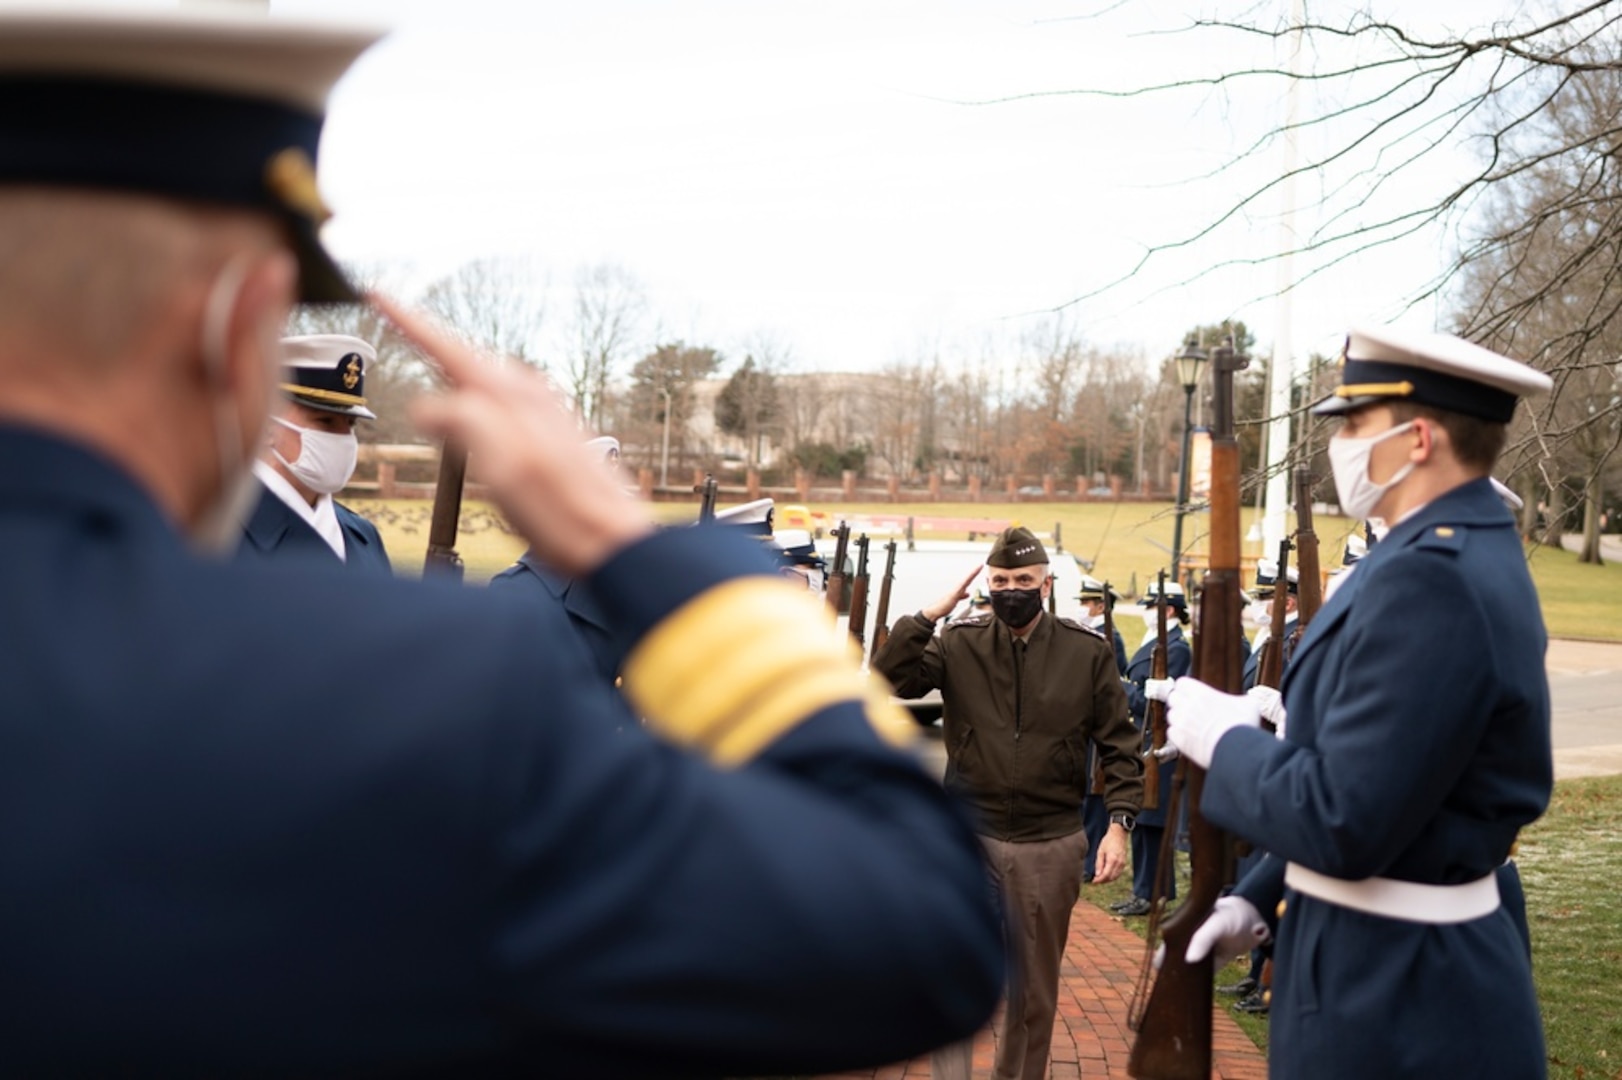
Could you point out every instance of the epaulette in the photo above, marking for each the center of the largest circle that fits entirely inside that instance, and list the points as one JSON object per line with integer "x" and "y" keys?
{"x": 1074, "y": 625}
{"x": 1448, "y": 538}
{"x": 976, "y": 618}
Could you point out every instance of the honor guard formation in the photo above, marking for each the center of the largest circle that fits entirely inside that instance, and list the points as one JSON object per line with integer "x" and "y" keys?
{"x": 635, "y": 810}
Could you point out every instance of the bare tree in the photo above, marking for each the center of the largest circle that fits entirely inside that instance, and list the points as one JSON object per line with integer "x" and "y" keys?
{"x": 609, "y": 305}
{"x": 497, "y": 303}
{"x": 1533, "y": 95}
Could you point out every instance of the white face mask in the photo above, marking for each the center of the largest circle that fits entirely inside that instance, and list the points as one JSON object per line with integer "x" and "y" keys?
{"x": 1349, "y": 460}
{"x": 325, "y": 460}
{"x": 1261, "y": 613}
{"x": 218, "y": 529}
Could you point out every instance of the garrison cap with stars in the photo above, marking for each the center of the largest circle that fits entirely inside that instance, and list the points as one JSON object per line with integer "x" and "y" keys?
{"x": 1385, "y": 364}
{"x": 1016, "y": 546}
{"x": 217, "y": 107}
{"x": 328, "y": 372}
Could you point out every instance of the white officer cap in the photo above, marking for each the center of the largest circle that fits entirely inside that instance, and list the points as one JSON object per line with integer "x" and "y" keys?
{"x": 1384, "y": 363}
{"x": 328, "y": 372}
{"x": 1093, "y": 589}
{"x": 753, "y": 517}
{"x": 204, "y": 106}
{"x": 607, "y": 446}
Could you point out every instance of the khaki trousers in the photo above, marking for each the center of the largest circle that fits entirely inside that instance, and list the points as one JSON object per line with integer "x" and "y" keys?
{"x": 1040, "y": 883}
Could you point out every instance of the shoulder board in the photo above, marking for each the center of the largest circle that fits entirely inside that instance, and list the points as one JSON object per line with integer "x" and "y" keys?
{"x": 1449, "y": 538}
{"x": 979, "y": 618}
{"x": 1074, "y": 625}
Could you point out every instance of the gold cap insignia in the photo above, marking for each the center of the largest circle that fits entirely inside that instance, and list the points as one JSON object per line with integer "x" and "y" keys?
{"x": 290, "y": 176}
{"x": 352, "y": 372}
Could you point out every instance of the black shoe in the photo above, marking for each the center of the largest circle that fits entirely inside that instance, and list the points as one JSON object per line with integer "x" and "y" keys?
{"x": 1135, "y": 906}
{"x": 1243, "y": 988}
{"x": 1255, "y": 1002}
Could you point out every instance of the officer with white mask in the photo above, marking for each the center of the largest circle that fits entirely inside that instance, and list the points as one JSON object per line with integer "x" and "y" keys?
{"x": 309, "y": 455}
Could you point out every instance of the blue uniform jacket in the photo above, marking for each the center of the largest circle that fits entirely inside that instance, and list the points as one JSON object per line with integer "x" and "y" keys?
{"x": 275, "y": 530}
{"x": 1418, "y": 745}
{"x": 279, "y": 819}
{"x": 1179, "y": 658}
{"x": 1253, "y": 657}
{"x": 542, "y": 585}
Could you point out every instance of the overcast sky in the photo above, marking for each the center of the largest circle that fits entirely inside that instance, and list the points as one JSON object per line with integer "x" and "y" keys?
{"x": 826, "y": 174}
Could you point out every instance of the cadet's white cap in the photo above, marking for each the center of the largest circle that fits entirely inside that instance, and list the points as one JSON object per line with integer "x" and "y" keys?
{"x": 1384, "y": 363}
{"x": 328, "y": 372}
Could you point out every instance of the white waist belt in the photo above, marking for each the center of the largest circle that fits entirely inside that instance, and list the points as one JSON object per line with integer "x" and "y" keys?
{"x": 1393, "y": 899}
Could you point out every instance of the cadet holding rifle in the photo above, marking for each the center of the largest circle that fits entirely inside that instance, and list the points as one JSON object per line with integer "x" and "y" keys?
{"x": 1394, "y": 956}
{"x": 1165, "y": 597}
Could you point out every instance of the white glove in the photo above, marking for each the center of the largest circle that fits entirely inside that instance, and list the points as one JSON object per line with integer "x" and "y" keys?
{"x": 1197, "y": 717}
{"x": 1271, "y": 703}
{"x": 1233, "y": 929}
{"x": 1158, "y": 689}
{"x": 1165, "y": 753}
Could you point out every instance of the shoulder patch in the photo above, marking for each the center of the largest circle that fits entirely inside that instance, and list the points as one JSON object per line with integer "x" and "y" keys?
{"x": 1074, "y": 625}
{"x": 1448, "y": 538}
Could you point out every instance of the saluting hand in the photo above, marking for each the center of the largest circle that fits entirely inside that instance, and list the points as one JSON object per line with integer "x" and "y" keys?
{"x": 945, "y": 605}
{"x": 527, "y": 445}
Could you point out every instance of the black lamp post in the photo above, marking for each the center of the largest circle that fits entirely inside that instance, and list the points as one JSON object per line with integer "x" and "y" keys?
{"x": 1190, "y": 362}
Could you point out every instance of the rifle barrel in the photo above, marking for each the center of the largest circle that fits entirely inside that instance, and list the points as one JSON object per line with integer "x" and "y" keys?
{"x": 442, "y": 559}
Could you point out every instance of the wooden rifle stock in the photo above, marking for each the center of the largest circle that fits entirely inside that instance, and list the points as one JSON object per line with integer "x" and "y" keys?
{"x": 442, "y": 561}
{"x": 881, "y": 617}
{"x": 1155, "y": 713}
{"x": 1270, "y": 665}
{"x": 1174, "y": 1033}
{"x": 858, "y": 594}
{"x": 1311, "y": 595}
{"x": 836, "y": 579}
{"x": 1096, "y": 785}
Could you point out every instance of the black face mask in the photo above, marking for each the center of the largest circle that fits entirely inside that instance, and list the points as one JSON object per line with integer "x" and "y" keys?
{"x": 1016, "y": 607}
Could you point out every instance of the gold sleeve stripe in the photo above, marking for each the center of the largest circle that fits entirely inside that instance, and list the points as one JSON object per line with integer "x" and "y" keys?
{"x": 740, "y": 665}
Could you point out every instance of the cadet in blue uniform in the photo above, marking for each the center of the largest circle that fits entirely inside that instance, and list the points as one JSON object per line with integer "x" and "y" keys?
{"x": 1394, "y": 955}
{"x": 310, "y": 455}
{"x": 1266, "y": 582}
{"x": 1095, "y": 596}
{"x": 541, "y": 584}
{"x": 469, "y": 872}
{"x": 1152, "y": 822}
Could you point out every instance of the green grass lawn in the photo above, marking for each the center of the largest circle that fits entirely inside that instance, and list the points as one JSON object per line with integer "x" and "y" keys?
{"x": 1568, "y": 861}
{"x": 1125, "y": 542}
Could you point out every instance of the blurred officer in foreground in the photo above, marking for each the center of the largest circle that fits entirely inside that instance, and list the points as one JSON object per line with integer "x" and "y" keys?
{"x": 1024, "y": 693}
{"x": 310, "y": 454}
{"x": 1413, "y": 752}
{"x": 1151, "y": 828}
{"x": 538, "y": 583}
{"x": 473, "y": 873}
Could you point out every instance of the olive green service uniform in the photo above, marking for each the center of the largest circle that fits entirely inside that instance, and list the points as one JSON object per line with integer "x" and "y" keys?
{"x": 1018, "y": 718}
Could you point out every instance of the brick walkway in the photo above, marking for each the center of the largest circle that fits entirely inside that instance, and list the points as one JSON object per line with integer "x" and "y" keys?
{"x": 1090, "y": 1036}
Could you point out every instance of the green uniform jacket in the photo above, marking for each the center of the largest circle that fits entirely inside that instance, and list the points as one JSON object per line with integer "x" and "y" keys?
{"x": 1017, "y": 730}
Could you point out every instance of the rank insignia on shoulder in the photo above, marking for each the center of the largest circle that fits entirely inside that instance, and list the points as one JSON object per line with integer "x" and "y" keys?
{"x": 1443, "y": 538}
